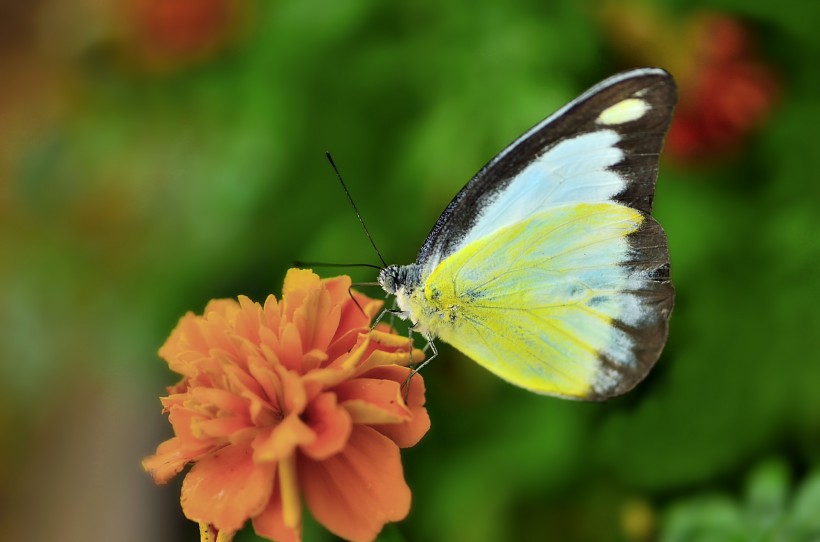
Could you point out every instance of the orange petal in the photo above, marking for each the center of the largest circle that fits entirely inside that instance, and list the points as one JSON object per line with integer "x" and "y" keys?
{"x": 407, "y": 433}
{"x": 378, "y": 357}
{"x": 184, "y": 422}
{"x": 284, "y": 389}
{"x": 355, "y": 492}
{"x": 317, "y": 319}
{"x": 217, "y": 330}
{"x": 185, "y": 336}
{"x": 194, "y": 365}
{"x": 371, "y": 400}
{"x": 352, "y": 316}
{"x": 294, "y": 397}
{"x": 298, "y": 285}
{"x": 390, "y": 340}
{"x": 170, "y": 459}
{"x": 218, "y": 428}
{"x": 269, "y": 345}
{"x": 271, "y": 314}
{"x": 262, "y": 412}
{"x": 248, "y": 320}
{"x": 341, "y": 368}
{"x": 222, "y": 401}
{"x": 352, "y": 358}
{"x": 180, "y": 387}
{"x": 277, "y": 442}
{"x": 227, "y": 488}
{"x": 331, "y": 424}
{"x": 313, "y": 360}
{"x": 327, "y": 327}
{"x": 344, "y": 342}
{"x": 319, "y": 380}
{"x": 174, "y": 400}
{"x": 271, "y": 523}
{"x": 268, "y": 380}
{"x": 239, "y": 378}
{"x": 221, "y": 307}
{"x": 337, "y": 287}
{"x": 290, "y": 349}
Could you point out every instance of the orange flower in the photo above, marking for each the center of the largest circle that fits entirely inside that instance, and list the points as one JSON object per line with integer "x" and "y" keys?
{"x": 296, "y": 398}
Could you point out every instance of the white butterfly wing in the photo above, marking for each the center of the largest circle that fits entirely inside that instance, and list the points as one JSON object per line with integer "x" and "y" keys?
{"x": 579, "y": 310}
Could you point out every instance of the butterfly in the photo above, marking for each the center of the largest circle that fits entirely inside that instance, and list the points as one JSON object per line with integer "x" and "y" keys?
{"x": 547, "y": 267}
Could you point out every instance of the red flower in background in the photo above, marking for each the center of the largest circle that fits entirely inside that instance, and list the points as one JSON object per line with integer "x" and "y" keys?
{"x": 729, "y": 92}
{"x": 182, "y": 26}
{"x": 294, "y": 399}
{"x": 726, "y": 90}
{"x": 162, "y": 34}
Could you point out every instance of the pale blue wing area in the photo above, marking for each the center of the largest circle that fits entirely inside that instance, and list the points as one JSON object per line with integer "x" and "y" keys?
{"x": 572, "y": 302}
{"x": 576, "y": 170}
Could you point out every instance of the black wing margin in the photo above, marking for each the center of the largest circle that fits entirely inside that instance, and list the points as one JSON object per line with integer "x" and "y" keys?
{"x": 650, "y": 262}
{"x": 641, "y": 142}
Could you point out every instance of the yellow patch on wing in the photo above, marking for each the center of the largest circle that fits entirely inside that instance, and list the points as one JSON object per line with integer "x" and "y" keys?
{"x": 534, "y": 302}
{"x": 624, "y": 111}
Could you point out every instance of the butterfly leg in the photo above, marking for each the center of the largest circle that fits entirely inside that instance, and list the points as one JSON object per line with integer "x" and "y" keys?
{"x": 392, "y": 312}
{"x": 414, "y": 370}
{"x": 432, "y": 346}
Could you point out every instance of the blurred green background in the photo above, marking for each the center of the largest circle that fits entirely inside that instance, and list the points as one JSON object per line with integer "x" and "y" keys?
{"x": 155, "y": 154}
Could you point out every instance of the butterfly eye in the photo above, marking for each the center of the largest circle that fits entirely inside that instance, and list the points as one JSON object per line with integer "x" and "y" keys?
{"x": 388, "y": 279}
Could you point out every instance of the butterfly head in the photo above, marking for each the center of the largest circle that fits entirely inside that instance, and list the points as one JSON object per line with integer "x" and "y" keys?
{"x": 396, "y": 279}
{"x": 391, "y": 278}
{"x": 402, "y": 281}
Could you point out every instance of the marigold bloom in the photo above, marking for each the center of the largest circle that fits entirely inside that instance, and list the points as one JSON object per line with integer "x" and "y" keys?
{"x": 294, "y": 399}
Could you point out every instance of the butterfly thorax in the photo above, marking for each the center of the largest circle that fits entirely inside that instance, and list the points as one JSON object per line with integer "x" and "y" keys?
{"x": 428, "y": 307}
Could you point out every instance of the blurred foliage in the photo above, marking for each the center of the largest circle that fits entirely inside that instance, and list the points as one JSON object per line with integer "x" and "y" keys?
{"x": 769, "y": 511}
{"x": 141, "y": 176}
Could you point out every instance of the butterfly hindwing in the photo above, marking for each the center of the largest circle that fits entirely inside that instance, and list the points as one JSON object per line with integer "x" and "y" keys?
{"x": 552, "y": 304}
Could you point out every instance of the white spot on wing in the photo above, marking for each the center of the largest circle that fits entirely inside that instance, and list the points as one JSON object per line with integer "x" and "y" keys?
{"x": 624, "y": 111}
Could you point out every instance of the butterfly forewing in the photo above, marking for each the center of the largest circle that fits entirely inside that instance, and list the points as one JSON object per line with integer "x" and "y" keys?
{"x": 639, "y": 142}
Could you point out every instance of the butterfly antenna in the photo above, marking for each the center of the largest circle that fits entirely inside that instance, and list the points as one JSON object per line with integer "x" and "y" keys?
{"x": 350, "y": 293}
{"x": 300, "y": 263}
{"x": 355, "y": 209}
